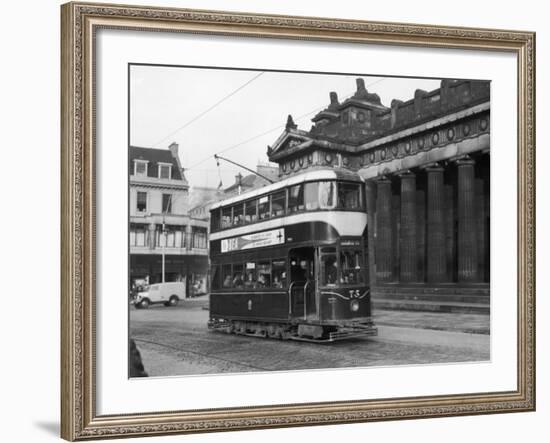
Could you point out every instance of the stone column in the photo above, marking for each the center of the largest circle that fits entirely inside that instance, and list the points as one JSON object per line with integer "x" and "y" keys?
{"x": 467, "y": 239}
{"x": 384, "y": 250}
{"x": 481, "y": 215}
{"x": 408, "y": 250}
{"x": 396, "y": 226}
{"x": 450, "y": 243}
{"x": 370, "y": 187}
{"x": 421, "y": 234}
{"x": 436, "y": 259}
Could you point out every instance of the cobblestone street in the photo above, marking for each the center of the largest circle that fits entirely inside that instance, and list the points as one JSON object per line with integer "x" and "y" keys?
{"x": 176, "y": 341}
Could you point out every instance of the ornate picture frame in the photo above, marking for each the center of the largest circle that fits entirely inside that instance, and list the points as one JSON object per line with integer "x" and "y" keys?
{"x": 80, "y": 22}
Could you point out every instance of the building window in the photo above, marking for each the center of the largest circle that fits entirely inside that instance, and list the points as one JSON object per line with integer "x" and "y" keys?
{"x": 138, "y": 234}
{"x": 172, "y": 237}
{"x": 166, "y": 203}
{"x": 141, "y": 201}
{"x": 140, "y": 167}
{"x": 165, "y": 171}
{"x": 199, "y": 238}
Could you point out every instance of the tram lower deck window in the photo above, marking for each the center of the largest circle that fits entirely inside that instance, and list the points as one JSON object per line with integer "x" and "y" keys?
{"x": 279, "y": 274}
{"x": 351, "y": 266}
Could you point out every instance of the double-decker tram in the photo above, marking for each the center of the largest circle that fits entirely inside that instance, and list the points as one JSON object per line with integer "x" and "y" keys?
{"x": 288, "y": 260}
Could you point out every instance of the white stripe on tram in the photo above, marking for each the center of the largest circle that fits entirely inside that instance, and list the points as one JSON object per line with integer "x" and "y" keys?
{"x": 345, "y": 223}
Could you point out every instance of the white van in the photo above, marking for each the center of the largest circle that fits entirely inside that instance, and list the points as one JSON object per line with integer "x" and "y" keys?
{"x": 168, "y": 293}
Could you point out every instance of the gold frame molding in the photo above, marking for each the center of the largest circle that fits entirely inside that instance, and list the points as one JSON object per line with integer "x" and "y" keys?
{"x": 79, "y": 21}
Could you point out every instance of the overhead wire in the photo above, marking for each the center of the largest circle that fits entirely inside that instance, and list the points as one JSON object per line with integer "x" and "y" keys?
{"x": 206, "y": 111}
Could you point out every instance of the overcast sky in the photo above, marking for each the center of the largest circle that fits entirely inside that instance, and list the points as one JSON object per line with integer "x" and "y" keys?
{"x": 166, "y": 104}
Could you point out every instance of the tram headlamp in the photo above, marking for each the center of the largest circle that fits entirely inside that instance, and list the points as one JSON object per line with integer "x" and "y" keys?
{"x": 354, "y": 305}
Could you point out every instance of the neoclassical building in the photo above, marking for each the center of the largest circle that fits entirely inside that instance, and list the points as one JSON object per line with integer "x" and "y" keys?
{"x": 426, "y": 162}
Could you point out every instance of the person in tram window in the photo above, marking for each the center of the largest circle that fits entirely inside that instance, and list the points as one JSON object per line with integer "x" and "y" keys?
{"x": 238, "y": 281}
{"x": 261, "y": 281}
{"x": 276, "y": 282}
{"x": 227, "y": 281}
{"x": 249, "y": 283}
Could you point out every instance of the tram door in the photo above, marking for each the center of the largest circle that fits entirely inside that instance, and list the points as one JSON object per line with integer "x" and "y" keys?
{"x": 303, "y": 288}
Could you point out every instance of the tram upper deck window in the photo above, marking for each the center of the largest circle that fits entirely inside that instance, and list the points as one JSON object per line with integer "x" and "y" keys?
{"x": 263, "y": 207}
{"x": 327, "y": 195}
{"x": 296, "y": 198}
{"x": 238, "y": 214}
{"x": 278, "y": 203}
{"x": 349, "y": 196}
{"x": 226, "y": 217}
{"x": 351, "y": 265}
{"x": 251, "y": 211}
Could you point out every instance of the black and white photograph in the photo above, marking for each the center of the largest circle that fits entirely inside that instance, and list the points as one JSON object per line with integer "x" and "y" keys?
{"x": 283, "y": 220}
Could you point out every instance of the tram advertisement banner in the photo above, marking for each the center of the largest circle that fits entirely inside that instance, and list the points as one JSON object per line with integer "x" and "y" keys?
{"x": 257, "y": 240}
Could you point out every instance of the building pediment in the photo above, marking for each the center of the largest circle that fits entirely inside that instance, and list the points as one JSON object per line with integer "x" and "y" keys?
{"x": 289, "y": 141}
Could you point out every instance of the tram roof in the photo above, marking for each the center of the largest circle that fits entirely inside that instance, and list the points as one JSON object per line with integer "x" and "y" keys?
{"x": 323, "y": 174}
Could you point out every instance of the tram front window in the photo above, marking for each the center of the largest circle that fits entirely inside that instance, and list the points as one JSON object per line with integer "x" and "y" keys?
{"x": 349, "y": 196}
{"x": 351, "y": 265}
{"x": 311, "y": 196}
{"x": 329, "y": 267}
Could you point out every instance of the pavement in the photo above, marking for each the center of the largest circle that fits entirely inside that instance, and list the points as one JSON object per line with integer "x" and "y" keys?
{"x": 439, "y": 321}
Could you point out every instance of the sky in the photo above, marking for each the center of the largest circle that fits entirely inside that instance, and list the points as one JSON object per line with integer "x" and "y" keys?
{"x": 236, "y": 113}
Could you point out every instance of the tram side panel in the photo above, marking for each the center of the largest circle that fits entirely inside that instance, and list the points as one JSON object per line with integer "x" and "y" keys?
{"x": 257, "y": 306}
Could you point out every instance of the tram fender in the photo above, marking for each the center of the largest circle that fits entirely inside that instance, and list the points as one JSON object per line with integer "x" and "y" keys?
{"x": 314, "y": 331}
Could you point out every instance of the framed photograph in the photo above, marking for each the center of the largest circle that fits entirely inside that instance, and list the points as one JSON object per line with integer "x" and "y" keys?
{"x": 277, "y": 221}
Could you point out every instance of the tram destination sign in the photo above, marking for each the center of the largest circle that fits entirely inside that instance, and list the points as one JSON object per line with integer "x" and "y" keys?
{"x": 251, "y": 241}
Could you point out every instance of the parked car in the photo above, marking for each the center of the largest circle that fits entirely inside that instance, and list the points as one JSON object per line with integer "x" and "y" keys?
{"x": 167, "y": 293}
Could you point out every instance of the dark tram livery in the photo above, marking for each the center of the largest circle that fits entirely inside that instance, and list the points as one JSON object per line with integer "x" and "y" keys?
{"x": 288, "y": 260}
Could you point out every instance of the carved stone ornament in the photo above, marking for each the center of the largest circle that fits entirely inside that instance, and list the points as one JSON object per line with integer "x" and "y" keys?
{"x": 79, "y": 417}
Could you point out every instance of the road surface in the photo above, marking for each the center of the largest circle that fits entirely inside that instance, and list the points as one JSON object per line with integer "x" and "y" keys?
{"x": 176, "y": 341}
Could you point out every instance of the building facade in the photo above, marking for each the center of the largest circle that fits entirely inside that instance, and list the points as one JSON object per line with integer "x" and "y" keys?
{"x": 426, "y": 163}
{"x": 160, "y": 224}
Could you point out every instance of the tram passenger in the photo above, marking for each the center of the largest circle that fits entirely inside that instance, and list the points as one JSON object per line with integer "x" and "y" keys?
{"x": 276, "y": 282}
{"x": 238, "y": 280}
{"x": 227, "y": 281}
{"x": 249, "y": 283}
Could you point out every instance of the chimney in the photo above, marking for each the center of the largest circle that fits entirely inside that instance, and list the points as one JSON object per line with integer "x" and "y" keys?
{"x": 174, "y": 149}
{"x": 333, "y": 100}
